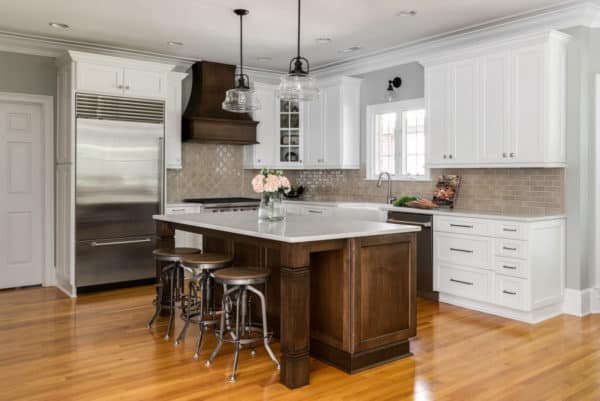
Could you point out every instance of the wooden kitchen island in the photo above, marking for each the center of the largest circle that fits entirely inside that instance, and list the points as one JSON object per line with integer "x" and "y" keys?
{"x": 343, "y": 291}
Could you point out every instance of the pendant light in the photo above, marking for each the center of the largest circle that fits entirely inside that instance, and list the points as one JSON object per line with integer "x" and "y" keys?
{"x": 297, "y": 84}
{"x": 241, "y": 99}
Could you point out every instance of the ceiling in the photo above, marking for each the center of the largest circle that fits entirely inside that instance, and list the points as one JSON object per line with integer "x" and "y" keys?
{"x": 209, "y": 29}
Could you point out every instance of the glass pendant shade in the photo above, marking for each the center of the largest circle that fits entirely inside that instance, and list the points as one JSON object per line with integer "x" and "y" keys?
{"x": 389, "y": 93}
{"x": 297, "y": 84}
{"x": 242, "y": 98}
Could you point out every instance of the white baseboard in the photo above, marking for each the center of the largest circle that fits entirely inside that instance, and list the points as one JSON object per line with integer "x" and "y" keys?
{"x": 581, "y": 302}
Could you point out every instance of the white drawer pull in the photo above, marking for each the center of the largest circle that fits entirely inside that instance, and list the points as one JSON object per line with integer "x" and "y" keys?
{"x": 178, "y": 210}
{"x": 510, "y": 230}
{"x": 461, "y": 250}
{"x": 507, "y": 248}
{"x": 461, "y": 282}
{"x": 509, "y": 267}
{"x": 460, "y": 225}
{"x": 509, "y": 292}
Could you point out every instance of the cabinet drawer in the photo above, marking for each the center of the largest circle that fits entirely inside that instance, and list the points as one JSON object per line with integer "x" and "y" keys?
{"x": 510, "y": 292}
{"x": 464, "y": 250}
{"x": 510, "y": 230}
{"x": 465, "y": 282}
{"x": 512, "y": 267}
{"x": 462, "y": 225}
{"x": 511, "y": 248}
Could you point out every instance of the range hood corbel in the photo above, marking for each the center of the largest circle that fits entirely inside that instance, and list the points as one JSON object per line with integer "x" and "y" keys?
{"x": 204, "y": 119}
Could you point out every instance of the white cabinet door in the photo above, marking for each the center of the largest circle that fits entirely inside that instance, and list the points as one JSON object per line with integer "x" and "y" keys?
{"x": 173, "y": 112}
{"x": 437, "y": 83}
{"x": 314, "y": 144}
{"x": 463, "y": 138}
{"x": 263, "y": 154}
{"x": 495, "y": 108}
{"x": 528, "y": 105}
{"x": 99, "y": 78}
{"x": 333, "y": 126}
{"x": 139, "y": 83}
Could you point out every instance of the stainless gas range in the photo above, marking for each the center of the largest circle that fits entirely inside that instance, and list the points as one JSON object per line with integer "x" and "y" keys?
{"x": 234, "y": 204}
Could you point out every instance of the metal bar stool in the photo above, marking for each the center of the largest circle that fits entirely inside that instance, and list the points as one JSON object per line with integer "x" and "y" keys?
{"x": 198, "y": 305}
{"x": 173, "y": 274}
{"x": 237, "y": 281}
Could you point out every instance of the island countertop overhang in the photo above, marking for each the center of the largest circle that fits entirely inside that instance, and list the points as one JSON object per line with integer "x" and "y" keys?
{"x": 294, "y": 229}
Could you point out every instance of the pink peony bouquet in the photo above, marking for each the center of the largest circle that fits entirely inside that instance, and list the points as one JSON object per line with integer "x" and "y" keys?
{"x": 270, "y": 181}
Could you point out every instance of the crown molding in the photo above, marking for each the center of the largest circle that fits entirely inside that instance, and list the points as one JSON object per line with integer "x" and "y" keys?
{"x": 537, "y": 21}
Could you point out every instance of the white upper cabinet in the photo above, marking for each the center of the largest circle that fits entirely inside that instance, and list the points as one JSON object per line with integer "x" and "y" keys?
{"x": 173, "y": 113}
{"x": 119, "y": 76}
{"x": 320, "y": 134}
{"x": 499, "y": 105}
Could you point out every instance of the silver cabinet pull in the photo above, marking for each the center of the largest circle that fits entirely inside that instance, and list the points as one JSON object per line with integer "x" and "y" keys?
{"x": 507, "y": 248}
{"x": 119, "y": 86}
{"x": 177, "y": 210}
{"x": 460, "y": 226}
{"x": 410, "y": 223}
{"x": 504, "y": 155}
{"x": 135, "y": 241}
{"x": 512, "y": 155}
{"x": 509, "y": 292}
{"x": 509, "y": 267}
{"x": 461, "y": 250}
{"x": 449, "y": 156}
{"x": 445, "y": 157}
{"x": 510, "y": 230}
{"x": 461, "y": 282}
{"x": 315, "y": 211}
{"x": 127, "y": 87}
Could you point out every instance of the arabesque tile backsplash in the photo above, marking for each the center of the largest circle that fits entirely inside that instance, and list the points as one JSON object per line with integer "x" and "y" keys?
{"x": 217, "y": 170}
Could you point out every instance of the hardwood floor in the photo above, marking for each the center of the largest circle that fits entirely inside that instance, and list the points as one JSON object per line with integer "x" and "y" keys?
{"x": 97, "y": 348}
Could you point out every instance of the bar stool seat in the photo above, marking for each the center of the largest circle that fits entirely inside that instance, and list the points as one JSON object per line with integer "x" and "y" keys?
{"x": 207, "y": 261}
{"x": 238, "y": 285}
{"x": 173, "y": 254}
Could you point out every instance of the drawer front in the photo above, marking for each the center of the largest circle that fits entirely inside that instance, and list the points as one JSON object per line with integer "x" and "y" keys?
{"x": 511, "y": 248}
{"x": 462, "y": 225}
{"x": 464, "y": 250}
{"x": 465, "y": 282}
{"x": 511, "y": 292}
{"x": 510, "y": 230}
{"x": 512, "y": 267}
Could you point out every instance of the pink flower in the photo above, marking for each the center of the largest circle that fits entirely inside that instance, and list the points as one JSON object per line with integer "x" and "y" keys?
{"x": 272, "y": 183}
{"x": 285, "y": 184}
{"x": 258, "y": 183}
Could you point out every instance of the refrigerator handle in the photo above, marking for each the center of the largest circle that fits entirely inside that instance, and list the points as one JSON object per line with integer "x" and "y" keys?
{"x": 162, "y": 174}
{"x": 135, "y": 241}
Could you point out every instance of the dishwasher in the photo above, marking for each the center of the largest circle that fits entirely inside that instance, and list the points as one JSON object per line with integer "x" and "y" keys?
{"x": 424, "y": 249}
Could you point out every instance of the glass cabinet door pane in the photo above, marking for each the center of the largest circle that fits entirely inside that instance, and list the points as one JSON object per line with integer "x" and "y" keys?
{"x": 294, "y": 121}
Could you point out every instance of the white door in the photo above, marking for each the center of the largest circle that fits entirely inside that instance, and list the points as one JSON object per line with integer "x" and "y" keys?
{"x": 21, "y": 194}
{"x": 463, "y": 140}
{"x": 437, "y": 98}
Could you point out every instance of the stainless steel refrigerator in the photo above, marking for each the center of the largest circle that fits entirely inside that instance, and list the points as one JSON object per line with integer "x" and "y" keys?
{"x": 119, "y": 186}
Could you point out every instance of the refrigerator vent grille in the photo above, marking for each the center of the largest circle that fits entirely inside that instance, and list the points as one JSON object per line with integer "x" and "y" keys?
{"x": 101, "y": 107}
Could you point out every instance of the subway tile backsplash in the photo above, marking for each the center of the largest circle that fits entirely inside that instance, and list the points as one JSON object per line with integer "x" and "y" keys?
{"x": 217, "y": 170}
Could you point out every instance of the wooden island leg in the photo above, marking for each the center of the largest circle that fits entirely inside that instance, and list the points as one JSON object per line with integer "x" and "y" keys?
{"x": 295, "y": 315}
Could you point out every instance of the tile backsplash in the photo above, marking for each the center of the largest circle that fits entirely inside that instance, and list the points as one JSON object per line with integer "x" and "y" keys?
{"x": 217, "y": 170}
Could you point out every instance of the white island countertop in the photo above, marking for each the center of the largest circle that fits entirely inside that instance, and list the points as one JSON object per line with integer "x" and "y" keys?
{"x": 293, "y": 229}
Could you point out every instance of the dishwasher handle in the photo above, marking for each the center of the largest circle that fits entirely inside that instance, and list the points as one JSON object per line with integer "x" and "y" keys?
{"x": 426, "y": 224}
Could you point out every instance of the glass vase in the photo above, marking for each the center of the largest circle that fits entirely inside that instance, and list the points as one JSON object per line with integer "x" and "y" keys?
{"x": 271, "y": 207}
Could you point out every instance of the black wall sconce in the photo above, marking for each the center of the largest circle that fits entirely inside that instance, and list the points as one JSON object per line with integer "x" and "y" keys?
{"x": 392, "y": 85}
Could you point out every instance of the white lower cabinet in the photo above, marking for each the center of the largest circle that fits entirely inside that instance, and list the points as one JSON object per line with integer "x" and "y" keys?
{"x": 509, "y": 268}
{"x": 184, "y": 239}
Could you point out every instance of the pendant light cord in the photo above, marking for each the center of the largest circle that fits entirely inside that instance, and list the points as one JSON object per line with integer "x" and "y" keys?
{"x": 299, "y": 28}
{"x": 241, "y": 45}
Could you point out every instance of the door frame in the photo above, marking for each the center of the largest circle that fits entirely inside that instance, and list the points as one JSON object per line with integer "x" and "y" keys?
{"x": 46, "y": 104}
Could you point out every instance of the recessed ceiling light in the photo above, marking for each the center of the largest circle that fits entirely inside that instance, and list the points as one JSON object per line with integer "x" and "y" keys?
{"x": 263, "y": 59}
{"x": 351, "y": 49}
{"x": 406, "y": 13}
{"x": 59, "y": 25}
{"x": 323, "y": 41}
{"x": 174, "y": 43}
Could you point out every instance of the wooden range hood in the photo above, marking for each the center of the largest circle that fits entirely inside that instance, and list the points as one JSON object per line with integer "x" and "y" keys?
{"x": 204, "y": 120}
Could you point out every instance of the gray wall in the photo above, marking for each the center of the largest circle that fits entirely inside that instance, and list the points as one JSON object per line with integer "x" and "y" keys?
{"x": 25, "y": 73}
{"x": 373, "y": 91}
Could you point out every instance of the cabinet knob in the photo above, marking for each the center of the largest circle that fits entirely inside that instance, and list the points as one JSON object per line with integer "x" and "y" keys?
{"x": 512, "y": 155}
{"x": 504, "y": 155}
{"x": 119, "y": 86}
{"x": 445, "y": 157}
{"x": 126, "y": 87}
{"x": 450, "y": 156}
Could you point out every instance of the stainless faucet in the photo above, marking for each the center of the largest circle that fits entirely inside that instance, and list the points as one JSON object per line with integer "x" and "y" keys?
{"x": 390, "y": 198}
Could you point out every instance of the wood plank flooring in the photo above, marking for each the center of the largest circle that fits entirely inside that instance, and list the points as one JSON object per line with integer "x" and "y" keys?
{"x": 97, "y": 348}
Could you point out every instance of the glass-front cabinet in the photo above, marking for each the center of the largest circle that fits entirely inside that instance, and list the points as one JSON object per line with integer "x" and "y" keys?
{"x": 290, "y": 133}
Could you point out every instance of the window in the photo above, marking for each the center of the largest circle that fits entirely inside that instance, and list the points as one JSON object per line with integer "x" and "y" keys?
{"x": 396, "y": 140}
